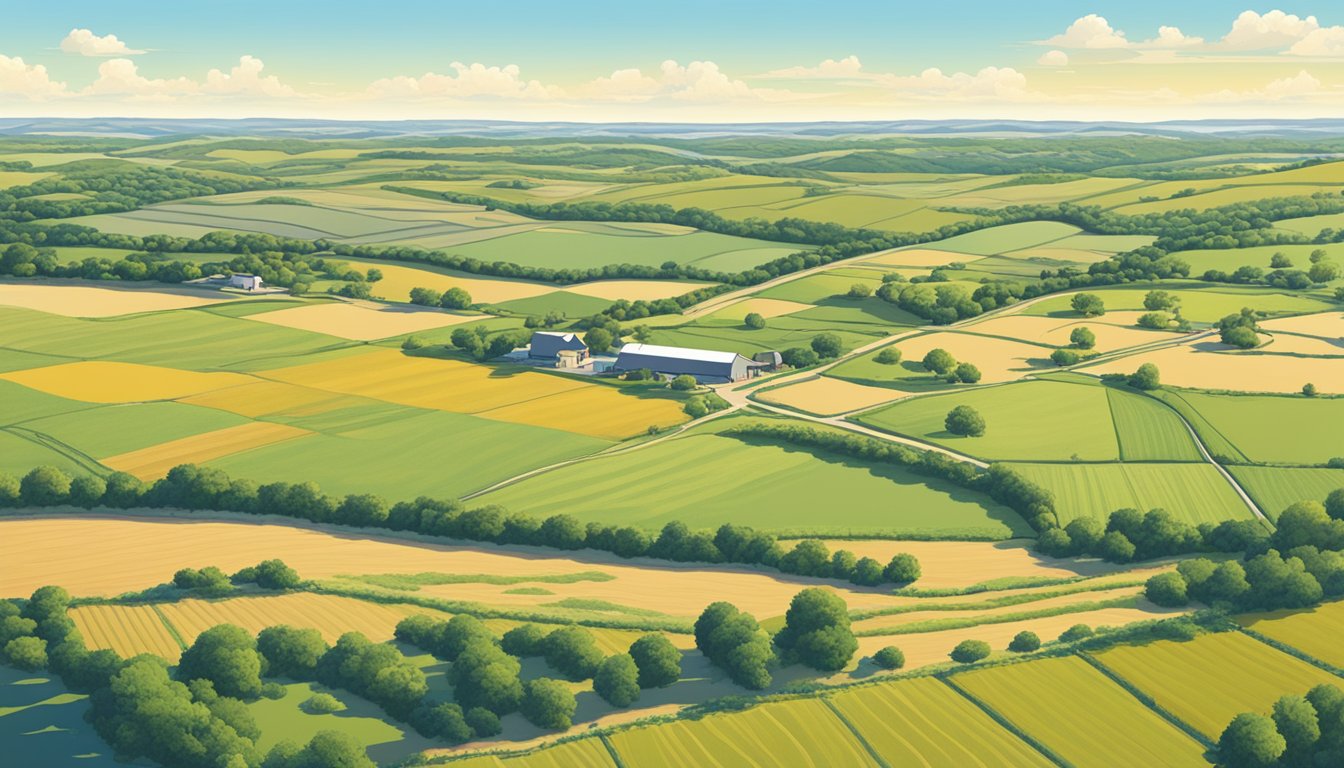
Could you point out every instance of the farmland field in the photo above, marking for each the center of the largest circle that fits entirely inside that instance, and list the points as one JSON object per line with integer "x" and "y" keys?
{"x": 1079, "y": 714}
{"x": 1315, "y": 632}
{"x": 1274, "y": 488}
{"x": 999, "y": 360}
{"x": 1191, "y": 679}
{"x": 1193, "y": 492}
{"x": 126, "y": 629}
{"x": 1281, "y": 430}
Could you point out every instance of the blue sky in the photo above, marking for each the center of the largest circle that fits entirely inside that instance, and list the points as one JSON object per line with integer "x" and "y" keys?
{"x": 693, "y": 60}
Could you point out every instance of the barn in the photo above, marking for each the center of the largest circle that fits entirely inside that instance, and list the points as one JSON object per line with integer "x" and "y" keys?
{"x": 246, "y": 282}
{"x": 706, "y": 365}
{"x": 547, "y": 345}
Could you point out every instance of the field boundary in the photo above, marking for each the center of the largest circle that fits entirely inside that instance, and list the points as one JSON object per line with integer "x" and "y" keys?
{"x": 1292, "y": 650}
{"x": 1005, "y": 723}
{"x": 168, "y": 625}
{"x": 1145, "y": 699}
{"x": 611, "y": 750}
{"x": 877, "y": 756}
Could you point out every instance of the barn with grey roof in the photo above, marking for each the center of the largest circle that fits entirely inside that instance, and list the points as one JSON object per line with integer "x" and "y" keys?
{"x": 706, "y": 365}
{"x": 549, "y": 344}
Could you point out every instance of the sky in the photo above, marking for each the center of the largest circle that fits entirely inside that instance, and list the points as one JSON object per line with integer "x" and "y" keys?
{"x": 693, "y": 61}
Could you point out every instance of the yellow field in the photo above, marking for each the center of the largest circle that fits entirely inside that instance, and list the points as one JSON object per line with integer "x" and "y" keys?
{"x": 91, "y": 301}
{"x": 517, "y": 395}
{"x": 154, "y": 462}
{"x": 398, "y": 281}
{"x": 594, "y": 410}
{"x": 331, "y": 615}
{"x": 826, "y": 396}
{"x": 584, "y": 753}
{"x": 1208, "y": 364}
{"x": 105, "y": 382}
{"x": 362, "y": 322}
{"x": 95, "y": 555}
{"x": 1112, "y": 332}
{"x": 1082, "y": 716}
{"x": 918, "y": 257}
{"x": 262, "y": 398}
{"x": 998, "y": 359}
{"x": 1213, "y": 678}
{"x": 1226, "y": 196}
{"x": 1327, "y": 325}
{"x": 19, "y": 178}
{"x": 648, "y": 290}
{"x": 1315, "y": 632}
{"x": 126, "y": 629}
{"x": 802, "y": 732}
{"x": 894, "y": 622}
{"x": 924, "y": 722}
{"x": 1291, "y": 344}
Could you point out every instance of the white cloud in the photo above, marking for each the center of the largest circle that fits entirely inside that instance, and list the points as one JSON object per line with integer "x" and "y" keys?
{"x": 1301, "y": 84}
{"x": 1054, "y": 58}
{"x": 830, "y": 69}
{"x": 1090, "y": 31}
{"x": 18, "y": 78}
{"x": 1003, "y": 83}
{"x": 85, "y": 43}
{"x": 701, "y": 81}
{"x": 246, "y": 78}
{"x": 1298, "y": 88}
{"x": 468, "y": 81}
{"x": 121, "y": 77}
{"x": 1171, "y": 37}
{"x": 1326, "y": 41}
{"x": 1252, "y": 31}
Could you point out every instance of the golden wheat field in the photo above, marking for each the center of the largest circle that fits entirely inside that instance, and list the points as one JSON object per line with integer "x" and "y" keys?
{"x": 398, "y": 281}
{"x": 1327, "y": 325}
{"x": 1207, "y": 364}
{"x": 95, "y": 301}
{"x": 1113, "y": 332}
{"x": 894, "y": 622}
{"x": 97, "y": 381}
{"x": 265, "y": 398}
{"x": 594, "y": 410}
{"x": 126, "y": 629}
{"x": 361, "y": 322}
{"x": 998, "y": 359}
{"x": 332, "y": 615}
{"x": 827, "y": 396}
{"x": 154, "y": 462}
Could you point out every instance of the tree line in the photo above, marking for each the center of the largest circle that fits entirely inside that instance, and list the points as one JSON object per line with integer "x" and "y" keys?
{"x": 192, "y": 487}
{"x": 1299, "y": 731}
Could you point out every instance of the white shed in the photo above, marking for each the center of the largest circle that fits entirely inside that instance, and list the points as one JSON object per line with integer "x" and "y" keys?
{"x": 246, "y": 282}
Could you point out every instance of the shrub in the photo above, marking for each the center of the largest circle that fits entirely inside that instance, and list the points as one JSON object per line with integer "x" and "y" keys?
{"x": 1088, "y": 304}
{"x": 1167, "y": 589}
{"x": 966, "y": 421}
{"x": 939, "y": 361}
{"x": 827, "y": 345}
{"x": 658, "y": 661}
{"x": 889, "y": 657}
{"x": 1147, "y": 377}
{"x": 754, "y": 320}
{"x": 617, "y": 680}
{"x": 322, "y": 704}
{"x": 455, "y": 298}
{"x": 1063, "y": 357}
{"x": 970, "y": 651}
{"x": 1082, "y": 338}
{"x": 1025, "y": 642}
{"x": 967, "y": 373}
{"x": 1154, "y": 320}
{"x": 684, "y": 383}
{"x": 26, "y": 653}
{"x": 903, "y": 569}
{"x": 1076, "y": 632}
{"x": 888, "y": 356}
{"x": 1309, "y": 389}
{"x": 548, "y": 703}
{"x": 863, "y": 291}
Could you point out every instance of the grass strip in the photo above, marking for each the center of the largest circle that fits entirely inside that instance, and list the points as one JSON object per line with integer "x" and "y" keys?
{"x": 411, "y": 582}
{"x": 994, "y": 602}
{"x": 1148, "y": 701}
{"x": 939, "y": 625}
{"x": 168, "y": 625}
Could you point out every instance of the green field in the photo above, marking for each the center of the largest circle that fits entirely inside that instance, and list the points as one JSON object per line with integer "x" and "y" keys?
{"x": 1210, "y": 680}
{"x": 1200, "y": 304}
{"x": 284, "y": 719}
{"x": 800, "y": 733}
{"x": 1275, "y": 488}
{"x": 1195, "y": 493}
{"x": 924, "y": 722}
{"x": 1080, "y": 715}
{"x": 1011, "y": 237}
{"x": 583, "y": 753}
{"x": 112, "y": 429}
{"x": 707, "y": 480}
{"x": 1148, "y": 430}
{"x": 1315, "y": 632}
{"x": 1270, "y": 429}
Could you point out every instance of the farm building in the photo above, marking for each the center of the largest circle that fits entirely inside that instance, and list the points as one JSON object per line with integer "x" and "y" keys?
{"x": 707, "y": 366}
{"x": 769, "y": 360}
{"x": 548, "y": 345}
{"x": 246, "y": 282}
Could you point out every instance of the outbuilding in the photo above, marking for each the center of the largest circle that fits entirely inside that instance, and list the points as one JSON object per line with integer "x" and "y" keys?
{"x": 547, "y": 345}
{"x": 706, "y": 365}
{"x": 246, "y": 282}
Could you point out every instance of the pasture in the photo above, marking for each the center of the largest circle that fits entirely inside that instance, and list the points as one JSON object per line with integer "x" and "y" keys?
{"x": 1079, "y": 714}
{"x": 1275, "y": 488}
{"x": 1200, "y": 302}
{"x": 1287, "y": 429}
{"x": 1192, "y": 492}
{"x": 1191, "y": 680}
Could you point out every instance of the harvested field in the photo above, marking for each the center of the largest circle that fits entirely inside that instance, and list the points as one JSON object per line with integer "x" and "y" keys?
{"x": 399, "y": 278}
{"x": 126, "y": 629}
{"x": 1207, "y": 364}
{"x": 98, "y": 381}
{"x": 75, "y": 300}
{"x": 1326, "y": 325}
{"x": 917, "y": 257}
{"x": 999, "y": 360}
{"x": 154, "y": 462}
{"x": 798, "y": 733}
{"x": 108, "y": 556}
{"x": 635, "y": 290}
{"x": 1079, "y": 714}
{"x": 897, "y": 622}
{"x": 1192, "y": 680}
{"x": 582, "y": 753}
{"x": 331, "y": 615}
{"x": 1315, "y": 632}
{"x": 1293, "y": 344}
{"x": 923, "y": 721}
{"x": 596, "y": 411}
{"x": 1112, "y": 331}
{"x": 362, "y": 322}
{"x": 827, "y": 396}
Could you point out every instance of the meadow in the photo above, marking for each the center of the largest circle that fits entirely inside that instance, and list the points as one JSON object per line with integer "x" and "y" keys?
{"x": 1195, "y": 493}
{"x": 1275, "y": 488}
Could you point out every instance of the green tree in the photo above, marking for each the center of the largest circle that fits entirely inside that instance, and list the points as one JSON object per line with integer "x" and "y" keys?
{"x": 889, "y": 657}
{"x": 1309, "y": 390}
{"x": 617, "y": 680}
{"x": 1241, "y": 336}
{"x": 227, "y": 656}
{"x": 573, "y": 652}
{"x": 859, "y": 291}
{"x": 754, "y": 320}
{"x": 483, "y": 722}
{"x": 45, "y": 486}
{"x": 658, "y": 660}
{"x": 524, "y": 640}
{"x": 1296, "y": 721}
{"x": 827, "y": 345}
{"x": 684, "y": 383}
{"x": 817, "y": 631}
{"x": 548, "y": 704}
{"x": 1280, "y": 261}
{"x": 599, "y": 340}
{"x": 1088, "y": 304}
{"x": 966, "y": 421}
{"x": 902, "y": 569}
{"x": 1323, "y": 272}
{"x": 327, "y": 749}
{"x": 1115, "y": 547}
{"x": 290, "y": 651}
{"x": 426, "y": 297}
{"x": 1147, "y": 377}
{"x": 888, "y": 356}
{"x": 87, "y": 491}
{"x": 1025, "y": 642}
{"x": 939, "y": 361}
{"x": 485, "y": 676}
{"x": 455, "y": 298}
{"x": 1250, "y": 741}
{"x": 1064, "y": 357}
{"x": 967, "y": 373}
{"x": 1158, "y": 321}
{"x": 1157, "y": 301}
{"x": 970, "y": 651}
{"x": 733, "y": 641}
{"x": 26, "y": 653}
{"x": 1075, "y": 632}
{"x": 1334, "y": 504}
{"x": 1083, "y": 337}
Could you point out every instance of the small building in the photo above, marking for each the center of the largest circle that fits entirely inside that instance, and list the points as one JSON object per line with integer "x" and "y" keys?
{"x": 770, "y": 361}
{"x": 547, "y": 345}
{"x": 568, "y": 358}
{"x": 707, "y": 366}
{"x": 245, "y": 282}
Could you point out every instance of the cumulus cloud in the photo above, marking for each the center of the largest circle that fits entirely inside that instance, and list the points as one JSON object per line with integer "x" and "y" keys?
{"x": 1054, "y": 58}
{"x": 18, "y": 78}
{"x": 1300, "y": 87}
{"x": 246, "y": 78}
{"x": 1002, "y": 83}
{"x": 84, "y": 43}
{"x": 1326, "y": 41}
{"x": 830, "y": 69}
{"x": 121, "y": 77}
{"x": 697, "y": 81}
{"x": 468, "y": 81}
{"x": 1275, "y": 30}
{"x": 1095, "y": 32}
